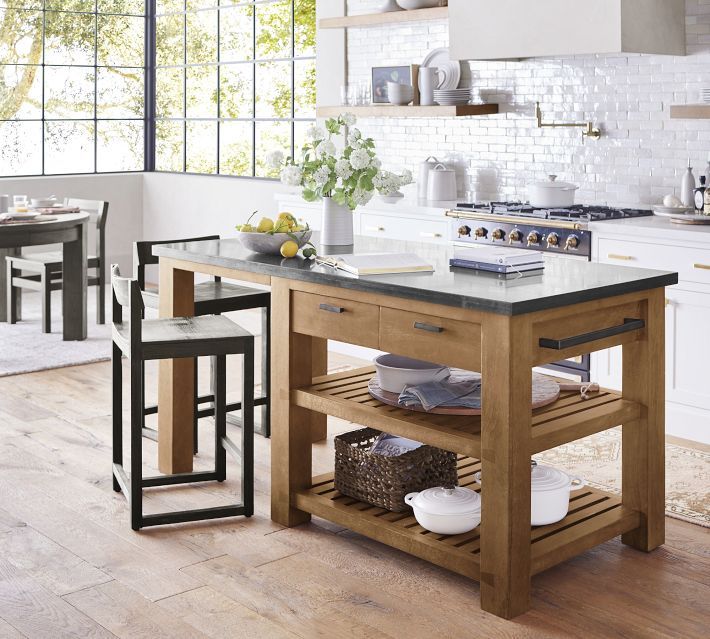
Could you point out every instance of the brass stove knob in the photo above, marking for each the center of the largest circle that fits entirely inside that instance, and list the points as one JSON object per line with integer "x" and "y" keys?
{"x": 515, "y": 236}
{"x": 464, "y": 231}
{"x": 572, "y": 242}
{"x": 498, "y": 234}
{"x": 481, "y": 232}
{"x": 534, "y": 238}
{"x": 553, "y": 240}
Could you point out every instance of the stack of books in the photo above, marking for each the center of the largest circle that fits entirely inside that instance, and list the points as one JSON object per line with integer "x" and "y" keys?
{"x": 505, "y": 261}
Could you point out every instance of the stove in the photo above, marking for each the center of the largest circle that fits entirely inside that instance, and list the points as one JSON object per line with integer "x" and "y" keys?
{"x": 562, "y": 231}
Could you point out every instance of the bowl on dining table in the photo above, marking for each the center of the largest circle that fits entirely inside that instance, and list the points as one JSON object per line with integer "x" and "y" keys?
{"x": 42, "y": 202}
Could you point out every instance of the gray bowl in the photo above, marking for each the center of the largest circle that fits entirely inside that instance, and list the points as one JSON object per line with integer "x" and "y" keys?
{"x": 271, "y": 244}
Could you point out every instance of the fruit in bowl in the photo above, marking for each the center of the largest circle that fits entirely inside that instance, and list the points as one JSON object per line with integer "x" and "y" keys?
{"x": 283, "y": 236}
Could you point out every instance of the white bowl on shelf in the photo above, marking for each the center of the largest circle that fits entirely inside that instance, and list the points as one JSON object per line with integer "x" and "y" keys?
{"x": 420, "y": 4}
{"x": 400, "y": 94}
{"x": 396, "y": 371}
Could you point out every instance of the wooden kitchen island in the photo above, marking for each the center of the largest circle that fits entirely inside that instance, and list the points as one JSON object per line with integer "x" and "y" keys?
{"x": 463, "y": 319}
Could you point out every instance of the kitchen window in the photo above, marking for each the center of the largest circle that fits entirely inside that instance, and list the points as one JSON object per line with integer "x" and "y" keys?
{"x": 234, "y": 81}
{"x": 72, "y": 88}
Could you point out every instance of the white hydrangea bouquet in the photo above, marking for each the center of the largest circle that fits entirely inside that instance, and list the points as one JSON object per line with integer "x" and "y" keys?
{"x": 343, "y": 180}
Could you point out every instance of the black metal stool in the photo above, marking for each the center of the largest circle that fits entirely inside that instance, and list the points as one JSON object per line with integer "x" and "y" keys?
{"x": 214, "y": 298}
{"x": 141, "y": 340}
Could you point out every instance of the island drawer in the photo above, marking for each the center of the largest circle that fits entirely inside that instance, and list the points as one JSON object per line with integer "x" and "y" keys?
{"x": 435, "y": 339}
{"x": 334, "y": 318}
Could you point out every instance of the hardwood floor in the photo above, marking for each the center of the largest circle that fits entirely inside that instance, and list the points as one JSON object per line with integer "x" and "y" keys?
{"x": 70, "y": 566}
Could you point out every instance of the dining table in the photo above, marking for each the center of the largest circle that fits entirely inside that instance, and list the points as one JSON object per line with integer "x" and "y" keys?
{"x": 71, "y": 231}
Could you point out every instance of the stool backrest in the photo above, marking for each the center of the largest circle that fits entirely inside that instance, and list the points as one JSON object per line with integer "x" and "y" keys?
{"x": 126, "y": 293}
{"x": 98, "y": 212}
{"x": 143, "y": 254}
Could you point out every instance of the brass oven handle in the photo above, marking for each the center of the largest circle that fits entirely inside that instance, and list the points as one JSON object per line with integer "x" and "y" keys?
{"x": 331, "y": 309}
{"x": 430, "y": 328}
{"x": 702, "y": 267}
{"x": 625, "y": 258}
{"x": 577, "y": 340}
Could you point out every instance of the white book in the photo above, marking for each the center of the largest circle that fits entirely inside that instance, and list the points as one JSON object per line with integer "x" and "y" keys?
{"x": 377, "y": 263}
{"x": 495, "y": 255}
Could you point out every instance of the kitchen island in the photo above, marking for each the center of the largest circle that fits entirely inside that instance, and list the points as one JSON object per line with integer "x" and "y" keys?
{"x": 502, "y": 328}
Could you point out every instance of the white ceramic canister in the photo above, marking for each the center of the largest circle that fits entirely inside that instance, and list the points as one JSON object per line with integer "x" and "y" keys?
{"x": 441, "y": 184}
{"x": 424, "y": 169}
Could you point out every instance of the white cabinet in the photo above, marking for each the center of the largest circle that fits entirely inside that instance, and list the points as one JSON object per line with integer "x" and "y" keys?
{"x": 498, "y": 29}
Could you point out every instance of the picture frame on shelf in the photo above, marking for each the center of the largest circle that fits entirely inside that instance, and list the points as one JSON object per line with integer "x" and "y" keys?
{"x": 403, "y": 74}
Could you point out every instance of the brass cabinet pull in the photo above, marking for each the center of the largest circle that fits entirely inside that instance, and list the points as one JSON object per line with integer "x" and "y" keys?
{"x": 702, "y": 267}
{"x": 331, "y": 309}
{"x": 423, "y": 234}
{"x": 668, "y": 302}
{"x": 430, "y": 328}
{"x": 625, "y": 258}
{"x": 375, "y": 228}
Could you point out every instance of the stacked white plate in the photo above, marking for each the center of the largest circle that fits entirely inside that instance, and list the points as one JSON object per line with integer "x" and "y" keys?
{"x": 705, "y": 95}
{"x": 452, "y": 97}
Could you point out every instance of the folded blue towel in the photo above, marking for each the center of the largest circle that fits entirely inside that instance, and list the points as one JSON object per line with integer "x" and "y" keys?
{"x": 456, "y": 391}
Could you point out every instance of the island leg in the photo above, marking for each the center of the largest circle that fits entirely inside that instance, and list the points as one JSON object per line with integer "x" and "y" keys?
{"x": 319, "y": 421}
{"x": 292, "y": 366}
{"x": 505, "y": 465}
{"x": 176, "y": 378}
{"x": 643, "y": 441}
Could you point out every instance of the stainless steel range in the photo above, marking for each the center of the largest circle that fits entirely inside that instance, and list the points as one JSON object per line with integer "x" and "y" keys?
{"x": 560, "y": 233}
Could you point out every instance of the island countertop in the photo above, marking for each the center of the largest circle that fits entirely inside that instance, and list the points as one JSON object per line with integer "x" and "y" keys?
{"x": 563, "y": 282}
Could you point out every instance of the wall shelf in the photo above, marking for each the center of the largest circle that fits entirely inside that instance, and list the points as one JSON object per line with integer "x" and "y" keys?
{"x": 393, "y": 111}
{"x": 690, "y": 111}
{"x": 376, "y": 19}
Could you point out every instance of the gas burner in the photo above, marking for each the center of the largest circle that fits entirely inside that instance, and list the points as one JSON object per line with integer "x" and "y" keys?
{"x": 577, "y": 212}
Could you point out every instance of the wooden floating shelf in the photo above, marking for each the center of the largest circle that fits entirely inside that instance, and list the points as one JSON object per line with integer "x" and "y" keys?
{"x": 345, "y": 395}
{"x": 594, "y": 517}
{"x": 391, "y": 17}
{"x": 393, "y": 111}
{"x": 690, "y": 111}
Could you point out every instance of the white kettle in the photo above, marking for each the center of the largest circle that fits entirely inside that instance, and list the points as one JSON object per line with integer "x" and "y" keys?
{"x": 441, "y": 184}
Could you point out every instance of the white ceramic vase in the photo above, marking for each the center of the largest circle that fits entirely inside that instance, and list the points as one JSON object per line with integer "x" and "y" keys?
{"x": 337, "y": 228}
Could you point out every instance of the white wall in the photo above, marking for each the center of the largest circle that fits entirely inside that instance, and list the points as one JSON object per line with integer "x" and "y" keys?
{"x": 123, "y": 191}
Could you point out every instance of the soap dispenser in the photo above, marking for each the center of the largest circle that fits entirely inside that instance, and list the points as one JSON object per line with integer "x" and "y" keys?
{"x": 687, "y": 187}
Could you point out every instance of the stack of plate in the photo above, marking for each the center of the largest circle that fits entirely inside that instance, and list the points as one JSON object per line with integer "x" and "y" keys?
{"x": 705, "y": 95}
{"x": 452, "y": 97}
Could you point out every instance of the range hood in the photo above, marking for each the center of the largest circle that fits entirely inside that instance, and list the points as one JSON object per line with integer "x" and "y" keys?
{"x": 504, "y": 29}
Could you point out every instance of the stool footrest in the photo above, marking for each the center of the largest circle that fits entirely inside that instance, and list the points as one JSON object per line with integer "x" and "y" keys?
{"x": 232, "y": 448}
{"x": 122, "y": 479}
{"x": 199, "y": 514}
{"x": 181, "y": 478}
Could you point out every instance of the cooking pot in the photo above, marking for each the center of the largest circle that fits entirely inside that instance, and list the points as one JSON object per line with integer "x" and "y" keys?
{"x": 552, "y": 194}
{"x": 446, "y": 511}
{"x": 549, "y": 496}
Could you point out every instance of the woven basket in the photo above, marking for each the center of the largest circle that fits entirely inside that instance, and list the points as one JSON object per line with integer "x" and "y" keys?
{"x": 384, "y": 481}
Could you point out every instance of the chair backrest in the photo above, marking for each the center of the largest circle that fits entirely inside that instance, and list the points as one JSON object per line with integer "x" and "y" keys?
{"x": 126, "y": 294}
{"x": 98, "y": 212}
{"x": 143, "y": 254}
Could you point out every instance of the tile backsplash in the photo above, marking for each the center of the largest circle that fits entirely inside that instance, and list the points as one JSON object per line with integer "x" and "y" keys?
{"x": 640, "y": 158}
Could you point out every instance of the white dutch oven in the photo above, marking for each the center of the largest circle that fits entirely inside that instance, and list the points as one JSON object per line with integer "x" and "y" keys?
{"x": 549, "y": 497}
{"x": 552, "y": 194}
{"x": 395, "y": 372}
{"x": 446, "y": 511}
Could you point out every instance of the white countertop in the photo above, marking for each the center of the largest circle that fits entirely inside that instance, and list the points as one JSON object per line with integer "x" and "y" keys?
{"x": 655, "y": 227}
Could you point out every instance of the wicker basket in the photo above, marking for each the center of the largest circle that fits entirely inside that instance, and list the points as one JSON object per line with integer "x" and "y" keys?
{"x": 384, "y": 481}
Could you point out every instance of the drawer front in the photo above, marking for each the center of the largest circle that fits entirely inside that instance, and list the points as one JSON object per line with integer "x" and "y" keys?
{"x": 434, "y": 339}
{"x": 399, "y": 228}
{"x": 691, "y": 263}
{"x": 336, "y": 319}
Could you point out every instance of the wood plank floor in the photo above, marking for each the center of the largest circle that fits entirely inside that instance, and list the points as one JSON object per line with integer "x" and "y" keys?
{"x": 70, "y": 566}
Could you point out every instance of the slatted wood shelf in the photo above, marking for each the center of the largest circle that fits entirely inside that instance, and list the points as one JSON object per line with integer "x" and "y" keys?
{"x": 394, "y": 111}
{"x": 345, "y": 395}
{"x": 690, "y": 111}
{"x": 594, "y": 517}
{"x": 391, "y": 17}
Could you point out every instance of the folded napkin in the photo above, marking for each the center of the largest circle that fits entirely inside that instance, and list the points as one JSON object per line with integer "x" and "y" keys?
{"x": 456, "y": 391}
{"x": 58, "y": 209}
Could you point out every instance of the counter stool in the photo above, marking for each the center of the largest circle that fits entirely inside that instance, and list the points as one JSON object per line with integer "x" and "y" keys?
{"x": 214, "y": 298}
{"x": 141, "y": 340}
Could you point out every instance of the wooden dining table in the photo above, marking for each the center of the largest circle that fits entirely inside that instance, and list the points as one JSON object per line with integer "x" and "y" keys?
{"x": 69, "y": 230}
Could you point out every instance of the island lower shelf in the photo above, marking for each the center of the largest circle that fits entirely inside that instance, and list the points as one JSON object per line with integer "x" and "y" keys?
{"x": 594, "y": 516}
{"x": 345, "y": 395}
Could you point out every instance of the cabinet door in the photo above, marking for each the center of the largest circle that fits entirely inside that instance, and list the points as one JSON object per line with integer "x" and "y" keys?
{"x": 399, "y": 228}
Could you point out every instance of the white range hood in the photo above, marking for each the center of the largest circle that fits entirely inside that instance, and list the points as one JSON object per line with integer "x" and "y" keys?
{"x": 500, "y": 29}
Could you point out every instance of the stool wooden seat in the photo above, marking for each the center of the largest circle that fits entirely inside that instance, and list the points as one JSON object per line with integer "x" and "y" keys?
{"x": 141, "y": 340}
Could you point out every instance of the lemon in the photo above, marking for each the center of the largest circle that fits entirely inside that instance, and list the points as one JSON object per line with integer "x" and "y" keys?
{"x": 248, "y": 228}
{"x": 265, "y": 225}
{"x": 289, "y": 249}
{"x": 282, "y": 226}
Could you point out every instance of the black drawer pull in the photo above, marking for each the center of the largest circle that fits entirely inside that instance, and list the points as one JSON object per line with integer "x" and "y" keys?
{"x": 428, "y": 327}
{"x": 560, "y": 344}
{"x": 331, "y": 309}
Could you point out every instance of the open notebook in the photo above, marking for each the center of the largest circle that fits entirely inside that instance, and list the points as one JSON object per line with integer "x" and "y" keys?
{"x": 377, "y": 263}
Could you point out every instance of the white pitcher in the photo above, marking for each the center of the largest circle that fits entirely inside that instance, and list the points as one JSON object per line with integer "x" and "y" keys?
{"x": 428, "y": 81}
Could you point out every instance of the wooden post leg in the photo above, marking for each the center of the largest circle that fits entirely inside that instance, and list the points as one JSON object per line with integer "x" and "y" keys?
{"x": 319, "y": 421}
{"x": 505, "y": 465}
{"x": 176, "y": 401}
{"x": 643, "y": 441}
{"x": 291, "y": 367}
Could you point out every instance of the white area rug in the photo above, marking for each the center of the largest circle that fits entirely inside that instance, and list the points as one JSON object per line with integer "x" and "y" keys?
{"x": 25, "y": 349}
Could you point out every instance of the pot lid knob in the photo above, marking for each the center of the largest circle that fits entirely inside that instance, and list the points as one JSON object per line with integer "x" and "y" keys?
{"x": 552, "y": 178}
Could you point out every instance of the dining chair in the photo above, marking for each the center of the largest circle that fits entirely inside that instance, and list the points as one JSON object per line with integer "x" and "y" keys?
{"x": 141, "y": 340}
{"x": 213, "y": 297}
{"x": 43, "y": 271}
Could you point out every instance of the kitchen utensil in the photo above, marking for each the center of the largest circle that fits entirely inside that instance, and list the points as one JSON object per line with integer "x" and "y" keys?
{"x": 446, "y": 511}
{"x": 449, "y": 70}
{"x": 424, "y": 169}
{"x": 453, "y": 96}
{"x": 551, "y": 193}
{"x": 428, "y": 79}
{"x": 687, "y": 187}
{"x": 441, "y": 184}
{"x": 271, "y": 244}
{"x": 42, "y": 202}
{"x": 399, "y": 94}
{"x": 549, "y": 495}
{"x": 420, "y": 4}
{"x": 545, "y": 390}
{"x": 395, "y": 372}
